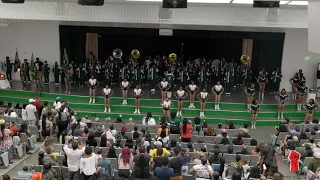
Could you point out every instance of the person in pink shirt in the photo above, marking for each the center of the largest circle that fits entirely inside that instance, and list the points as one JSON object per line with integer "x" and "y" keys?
{"x": 186, "y": 131}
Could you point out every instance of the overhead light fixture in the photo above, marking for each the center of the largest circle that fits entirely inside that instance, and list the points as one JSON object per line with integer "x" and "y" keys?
{"x": 302, "y": 3}
{"x": 91, "y": 2}
{"x": 243, "y": 2}
{"x": 189, "y": 1}
{"x": 13, "y": 1}
{"x": 284, "y": 2}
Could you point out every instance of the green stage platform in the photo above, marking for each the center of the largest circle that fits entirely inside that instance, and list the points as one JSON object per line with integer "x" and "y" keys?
{"x": 229, "y": 111}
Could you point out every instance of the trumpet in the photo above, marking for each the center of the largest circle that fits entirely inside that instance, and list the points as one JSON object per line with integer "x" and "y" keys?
{"x": 172, "y": 57}
{"x": 117, "y": 53}
{"x": 245, "y": 59}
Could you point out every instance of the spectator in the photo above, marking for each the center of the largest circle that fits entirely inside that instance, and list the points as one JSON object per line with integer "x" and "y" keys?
{"x": 198, "y": 160}
{"x": 141, "y": 165}
{"x": 111, "y": 133}
{"x": 91, "y": 141}
{"x": 73, "y": 159}
{"x": 303, "y": 135}
{"x": 148, "y": 120}
{"x": 157, "y": 161}
{"x": 118, "y": 144}
{"x": 245, "y": 133}
{"x": 215, "y": 157}
{"x": 164, "y": 172}
{"x": 87, "y": 163}
{"x": 210, "y": 131}
{"x": 198, "y": 131}
{"x": 238, "y": 141}
{"x": 176, "y": 164}
{"x": 292, "y": 145}
{"x": 112, "y": 153}
{"x": 186, "y": 159}
{"x": 46, "y": 125}
{"x": 131, "y": 122}
{"x": 256, "y": 151}
{"x": 129, "y": 143}
{"x": 48, "y": 173}
{"x": 282, "y": 128}
{"x": 62, "y": 119}
{"x": 85, "y": 132}
{"x": 6, "y": 142}
{"x": 268, "y": 156}
{"x": 26, "y": 172}
{"x": 254, "y": 172}
{"x": 105, "y": 165}
{"x": 158, "y": 144}
{"x": 272, "y": 170}
{"x": 315, "y": 162}
{"x": 24, "y": 113}
{"x": 163, "y": 132}
{"x": 253, "y": 142}
{"x": 203, "y": 170}
{"x": 224, "y": 141}
{"x": 174, "y": 124}
{"x": 31, "y": 112}
{"x": 137, "y": 145}
{"x": 223, "y": 133}
{"x": 135, "y": 133}
{"x": 237, "y": 161}
{"x": 204, "y": 124}
{"x": 186, "y": 130}
{"x": 98, "y": 132}
{"x": 244, "y": 150}
{"x": 172, "y": 144}
{"x": 125, "y": 162}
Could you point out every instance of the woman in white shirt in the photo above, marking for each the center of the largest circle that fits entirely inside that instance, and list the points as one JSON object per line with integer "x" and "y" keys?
{"x": 24, "y": 112}
{"x": 125, "y": 86}
{"x": 180, "y": 95}
{"x": 217, "y": 90}
{"x": 137, "y": 93}
{"x": 148, "y": 120}
{"x": 92, "y": 83}
{"x": 88, "y": 163}
{"x": 166, "y": 105}
{"x": 164, "y": 86}
{"x": 107, "y": 92}
{"x": 125, "y": 163}
{"x": 192, "y": 88}
{"x": 203, "y": 97}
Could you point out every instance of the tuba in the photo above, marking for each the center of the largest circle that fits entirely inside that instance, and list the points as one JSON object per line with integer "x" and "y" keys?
{"x": 135, "y": 54}
{"x": 245, "y": 59}
{"x": 172, "y": 58}
{"x": 117, "y": 53}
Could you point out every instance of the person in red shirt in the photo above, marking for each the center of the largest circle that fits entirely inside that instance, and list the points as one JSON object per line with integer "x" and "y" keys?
{"x": 14, "y": 129}
{"x": 186, "y": 131}
{"x": 37, "y": 103}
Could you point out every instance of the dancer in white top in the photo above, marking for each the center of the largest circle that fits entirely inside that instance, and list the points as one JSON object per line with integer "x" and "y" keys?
{"x": 203, "y": 97}
{"x": 107, "y": 92}
{"x": 166, "y": 105}
{"x": 137, "y": 93}
{"x": 192, "y": 88}
{"x": 125, "y": 85}
{"x": 92, "y": 83}
{"x": 164, "y": 86}
{"x": 180, "y": 94}
{"x": 217, "y": 90}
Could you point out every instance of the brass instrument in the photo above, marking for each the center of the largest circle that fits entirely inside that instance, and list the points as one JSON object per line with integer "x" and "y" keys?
{"x": 135, "y": 54}
{"x": 172, "y": 58}
{"x": 245, "y": 59}
{"x": 117, "y": 53}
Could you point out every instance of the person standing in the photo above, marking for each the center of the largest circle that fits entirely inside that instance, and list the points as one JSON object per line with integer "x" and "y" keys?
{"x": 262, "y": 81}
{"x": 180, "y": 94}
{"x": 176, "y": 164}
{"x": 302, "y": 90}
{"x": 282, "y": 97}
{"x": 82, "y": 74}
{"x": 68, "y": 79}
{"x": 254, "y": 113}
{"x": 93, "y": 84}
{"x": 203, "y": 170}
{"x": 203, "y": 97}
{"x": 38, "y": 68}
{"x": 141, "y": 164}
{"x": 8, "y": 68}
{"x": 276, "y": 79}
{"x": 310, "y": 107}
{"x": 137, "y": 93}
{"x": 125, "y": 85}
{"x": 192, "y": 88}
{"x": 164, "y": 172}
{"x": 26, "y": 71}
{"x": 46, "y": 72}
{"x": 230, "y": 80}
{"x": 74, "y": 155}
{"x": 203, "y": 78}
{"x": 31, "y": 111}
{"x": 170, "y": 78}
{"x": 56, "y": 71}
{"x": 107, "y": 92}
{"x": 184, "y": 77}
{"x": 124, "y": 73}
{"x": 87, "y": 163}
{"x": 217, "y": 90}
{"x": 153, "y": 75}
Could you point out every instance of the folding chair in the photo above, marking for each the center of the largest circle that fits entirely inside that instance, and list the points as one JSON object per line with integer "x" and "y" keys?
{"x": 5, "y": 159}
{"x": 229, "y": 158}
{"x": 57, "y": 147}
{"x": 60, "y": 159}
{"x": 114, "y": 163}
{"x": 32, "y": 141}
{"x": 174, "y": 136}
{"x": 98, "y": 139}
{"x": 246, "y": 141}
{"x": 38, "y": 168}
{"x": 153, "y": 129}
{"x": 59, "y": 172}
{"x": 210, "y": 139}
{"x": 19, "y": 150}
{"x": 198, "y": 146}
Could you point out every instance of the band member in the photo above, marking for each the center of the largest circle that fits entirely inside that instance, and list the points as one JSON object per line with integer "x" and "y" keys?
{"x": 8, "y": 68}
{"x": 230, "y": 80}
{"x": 23, "y": 75}
{"x": 263, "y": 72}
{"x": 203, "y": 78}
{"x": 125, "y": 85}
{"x": 107, "y": 92}
{"x": 109, "y": 75}
{"x": 302, "y": 89}
{"x": 98, "y": 71}
{"x": 124, "y": 72}
{"x": 137, "y": 93}
{"x": 295, "y": 83}
{"x": 192, "y": 88}
{"x": 180, "y": 94}
{"x": 262, "y": 81}
{"x": 38, "y": 68}
{"x": 254, "y": 113}
{"x": 37, "y": 87}
{"x": 68, "y": 79}
{"x": 153, "y": 75}
{"x": 166, "y": 105}
{"x": 82, "y": 75}
{"x": 46, "y": 72}
{"x": 203, "y": 97}
{"x": 170, "y": 79}
{"x": 26, "y": 71}
{"x": 92, "y": 83}
{"x": 310, "y": 107}
{"x": 250, "y": 94}
{"x": 56, "y": 71}
{"x": 282, "y": 97}
{"x": 217, "y": 90}
{"x": 300, "y": 76}
{"x": 184, "y": 77}
{"x": 164, "y": 86}
{"x": 137, "y": 75}
{"x": 276, "y": 79}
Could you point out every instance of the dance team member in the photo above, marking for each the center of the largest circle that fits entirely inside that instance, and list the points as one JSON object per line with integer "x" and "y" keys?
{"x": 37, "y": 87}
{"x": 302, "y": 89}
{"x": 250, "y": 91}
{"x": 282, "y": 97}
{"x": 310, "y": 107}
{"x": 164, "y": 86}
{"x": 262, "y": 81}
{"x": 203, "y": 97}
{"x": 92, "y": 83}
{"x": 180, "y": 94}
{"x": 166, "y": 105}
{"x": 137, "y": 93}
{"x": 254, "y": 113}
{"x": 192, "y": 88}
{"x": 217, "y": 90}
{"x": 295, "y": 83}
{"x": 107, "y": 92}
{"x": 68, "y": 79}
{"x": 125, "y": 85}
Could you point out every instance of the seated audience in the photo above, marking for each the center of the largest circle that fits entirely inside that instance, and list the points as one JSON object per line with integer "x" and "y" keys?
{"x": 256, "y": 151}
{"x": 163, "y": 172}
{"x": 237, "y": 161}
{"x": 245, "y": 133}
{"x": 238, "y": 140}
{"x": 244, "y": 150}
{"x": 223, "y": 133}
{"x": 112, "y": 153}
{"x": 186, "y": 131}
{"x": 292, "y": 145}
{"x": 149, "y": 120}
{"x": 315, "y": 162}
{"x": 135, "y": 133}
{"x": 91, "y": 141}
{"x": 125, "y": 163}
{"x": 48, "y": 173}
{"x": 26, "y": 172}
{"x": 176, "y": 164}
{"x": 158, "y": 144}
{"x": 174, "y": 124}
{"x": 98, "y": 132}
{"x": 209, "y": 131}
{"x": 202, "y": 170}
{"x": 129, "y": 143}
{"x": 253, "y": 142}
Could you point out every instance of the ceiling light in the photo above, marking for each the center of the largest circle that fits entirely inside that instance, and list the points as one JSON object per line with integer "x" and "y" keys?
{"x": 208, "y": 1}
{"x": 284, "y": 2}
{"x": 243, "y": 2}
{"x": 305, "y": 3}
{"x": 146, "y": 0}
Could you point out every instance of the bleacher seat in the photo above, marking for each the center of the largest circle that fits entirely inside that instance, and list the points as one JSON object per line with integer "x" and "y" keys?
{"x": 38, "y": 168}
{"x": 174, "y": 136}
{"x": 153, "y": 129}
{"x": 104, "y": 149}
{"x": 210, "y": 147}
{"x": 5, "y": 159}
{"x": 184, "y": 145}
{"x": 246, "y": 141}
{"x": 130, "y": 127}
{"x": 114, "y": 163}
{"x": 18, "y": 151}
{"x": 190, "y": 165}
{"x": 32, "y": 141}
{"x": 57, "y": 147}
{"x": 153, "y": 135}
{"x": 16, "y": 178}
{"x": 117, "y": 126}
{"x": 123, "y": 141}
{"x": 198, "y": 146}
{"x": 128, "y": 134}
{"x": 118, "y": 151}
{"x": 210, "y": 139}
{"x": 60, "y": 159}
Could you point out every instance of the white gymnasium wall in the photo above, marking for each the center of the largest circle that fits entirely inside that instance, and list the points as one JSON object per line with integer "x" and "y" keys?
{"x": 295, "y": 51}
{"x": 39, "y": 38}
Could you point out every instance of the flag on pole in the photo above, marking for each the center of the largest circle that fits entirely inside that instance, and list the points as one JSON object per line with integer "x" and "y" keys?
{"x": 65, "y": 60}
{"x": 16, "y": 61}
{"x": 31, "y": 72}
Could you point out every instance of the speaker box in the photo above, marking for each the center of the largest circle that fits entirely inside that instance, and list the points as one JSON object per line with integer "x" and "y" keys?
{"x": 91, "y": 2}
{"x": 175, "y": 3}
{"x": 266, "y": 4}
{"x": 13, "y": 1}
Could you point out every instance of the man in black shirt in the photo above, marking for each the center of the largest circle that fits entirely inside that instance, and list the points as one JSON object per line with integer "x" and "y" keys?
{"x": 268, "y": 156}
{"x": 38, "y": 68}
{"x": 176, "y": 164}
